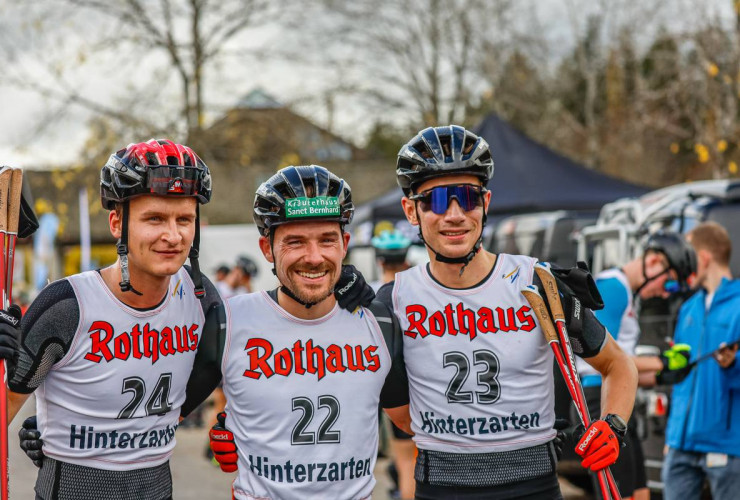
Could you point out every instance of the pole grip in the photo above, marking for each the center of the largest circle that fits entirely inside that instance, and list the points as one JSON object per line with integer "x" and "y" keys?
{"x": 537, "y": 303}
{"x": 551, "y": 290}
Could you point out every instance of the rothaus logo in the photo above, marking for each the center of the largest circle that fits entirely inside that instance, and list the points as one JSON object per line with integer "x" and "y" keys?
{"x": 141, "y": 342}
{"x": 309, "y": 358}
{"x": 453, "y": 320}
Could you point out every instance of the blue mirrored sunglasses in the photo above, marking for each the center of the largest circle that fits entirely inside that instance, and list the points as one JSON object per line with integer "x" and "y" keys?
{"x": 438, "y": 199}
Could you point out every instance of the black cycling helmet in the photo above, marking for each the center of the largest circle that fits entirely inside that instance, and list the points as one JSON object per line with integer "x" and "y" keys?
{"x": 247, "y": 265}
{"x": 305, "y": 193}
{"x": 302, "y": 193}
{"x": 158, "y": 166}
{"x": 440, "y": 151}
{"x": 681, "y": 256}
{"x": 437, "y": 151}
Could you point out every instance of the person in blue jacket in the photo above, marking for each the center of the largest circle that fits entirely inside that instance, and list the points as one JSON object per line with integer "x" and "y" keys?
{"x": 703, "y": 430}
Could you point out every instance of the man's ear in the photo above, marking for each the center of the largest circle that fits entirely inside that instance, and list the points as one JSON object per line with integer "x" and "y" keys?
{"x": 115, "y": 223}
{"x": 704, "y": 256}
{"x": 346, "y": 238}
{"x": 486, "y": 200}
{"x": 266, "y": 248}
{"x": 409, "y": 209}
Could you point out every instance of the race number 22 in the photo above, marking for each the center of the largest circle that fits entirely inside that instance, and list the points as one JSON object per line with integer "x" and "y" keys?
{"x": 325, "y": 433}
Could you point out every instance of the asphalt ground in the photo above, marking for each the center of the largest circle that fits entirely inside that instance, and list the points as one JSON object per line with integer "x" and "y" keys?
{"x": 194, "y": 477}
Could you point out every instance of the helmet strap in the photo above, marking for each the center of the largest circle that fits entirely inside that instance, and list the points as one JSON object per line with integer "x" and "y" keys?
{"x": 198, "y": 287}
{"x": 122, "y": 250}
{"x": 646, "y": 279}
{"x": 465, "y": 259}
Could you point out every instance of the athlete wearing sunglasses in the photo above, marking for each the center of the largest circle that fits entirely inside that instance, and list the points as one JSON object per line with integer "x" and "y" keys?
{"x": 472, "y": 349}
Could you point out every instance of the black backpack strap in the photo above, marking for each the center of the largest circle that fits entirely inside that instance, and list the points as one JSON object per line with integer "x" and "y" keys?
{"x": 389, "y": 326}
{"x": 384, "y": 317}
{"x": 395, "y": 390}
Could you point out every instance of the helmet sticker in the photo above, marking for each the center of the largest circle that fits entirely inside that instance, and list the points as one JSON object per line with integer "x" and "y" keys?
{"x": 176, "y": 186}
{"x": 320, "y": 206}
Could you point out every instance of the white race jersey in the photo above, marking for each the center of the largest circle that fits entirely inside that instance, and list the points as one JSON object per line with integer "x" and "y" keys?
{"x": 113, "y": 402}
{"x": 303, "y": 400}
{"x": 480, "y": 372}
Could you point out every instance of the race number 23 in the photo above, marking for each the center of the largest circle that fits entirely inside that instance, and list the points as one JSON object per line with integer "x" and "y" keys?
{"x": 325, "y": 434}
{"x": 486, "y": 365}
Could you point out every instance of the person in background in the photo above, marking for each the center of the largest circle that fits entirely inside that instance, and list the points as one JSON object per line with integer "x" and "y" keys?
{"x": 667, "y": 258}
{"x": 703, "y": 430}
{"x": 219, "y": 281}
{"x": 240, "y": 277}
{"x": 391, "y": 249}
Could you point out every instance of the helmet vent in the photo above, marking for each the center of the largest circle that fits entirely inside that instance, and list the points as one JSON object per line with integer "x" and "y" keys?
{"x": 446, "y": 142}
{"x": 151, "y": 158}
{"x": 423, "y": 150}
{"x": 469, "y": 145}
{"x": 173, "y": 160}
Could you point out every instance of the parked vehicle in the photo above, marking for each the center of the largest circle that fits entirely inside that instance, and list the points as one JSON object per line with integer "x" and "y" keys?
{"x": 548, "y": 236}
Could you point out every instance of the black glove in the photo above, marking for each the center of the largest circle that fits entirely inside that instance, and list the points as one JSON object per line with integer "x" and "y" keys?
{"x": 10, "y": 334}
{"x": 352, "y": 291}
{"x": 31, "y": 442}
{"x": 561, "y": 424}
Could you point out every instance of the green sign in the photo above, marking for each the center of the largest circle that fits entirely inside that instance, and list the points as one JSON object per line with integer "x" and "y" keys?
{"x": 321, "y": 206}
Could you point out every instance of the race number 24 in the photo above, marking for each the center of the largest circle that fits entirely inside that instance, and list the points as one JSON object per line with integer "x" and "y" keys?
{"x": 158, "y": 402}
{"x": 487, "y": 371}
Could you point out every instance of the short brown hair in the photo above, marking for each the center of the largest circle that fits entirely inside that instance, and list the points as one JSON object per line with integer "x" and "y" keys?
{"x": 713, "y": 238}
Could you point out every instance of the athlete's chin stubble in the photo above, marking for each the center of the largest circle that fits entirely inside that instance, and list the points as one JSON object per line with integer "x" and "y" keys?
{"x": 309, "y": 296}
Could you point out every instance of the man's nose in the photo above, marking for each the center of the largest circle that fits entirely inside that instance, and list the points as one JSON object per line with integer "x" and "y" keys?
{"x": 313, "y": 254}
{"x": 454, "y": 211}
{"x": 172, "y": 233}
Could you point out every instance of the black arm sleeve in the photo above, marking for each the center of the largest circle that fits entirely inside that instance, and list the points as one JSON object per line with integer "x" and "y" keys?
{"x": 395, "y": 390}
{"x": 587, "y": 334}
{"x": 206, "y": 373}
{"x": 47, "y": 331}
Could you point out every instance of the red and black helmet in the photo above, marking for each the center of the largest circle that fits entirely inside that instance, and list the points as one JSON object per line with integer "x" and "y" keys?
{"x": 158, "y": 166}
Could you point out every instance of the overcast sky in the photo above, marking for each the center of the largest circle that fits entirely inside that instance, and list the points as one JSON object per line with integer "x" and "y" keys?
{"x": 21, "y": 143}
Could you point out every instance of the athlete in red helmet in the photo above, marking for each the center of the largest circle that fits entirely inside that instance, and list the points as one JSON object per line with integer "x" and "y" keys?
{"x": 109, "y": 353}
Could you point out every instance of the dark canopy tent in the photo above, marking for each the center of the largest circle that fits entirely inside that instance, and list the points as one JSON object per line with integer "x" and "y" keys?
{"x": 528, "y": 177}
